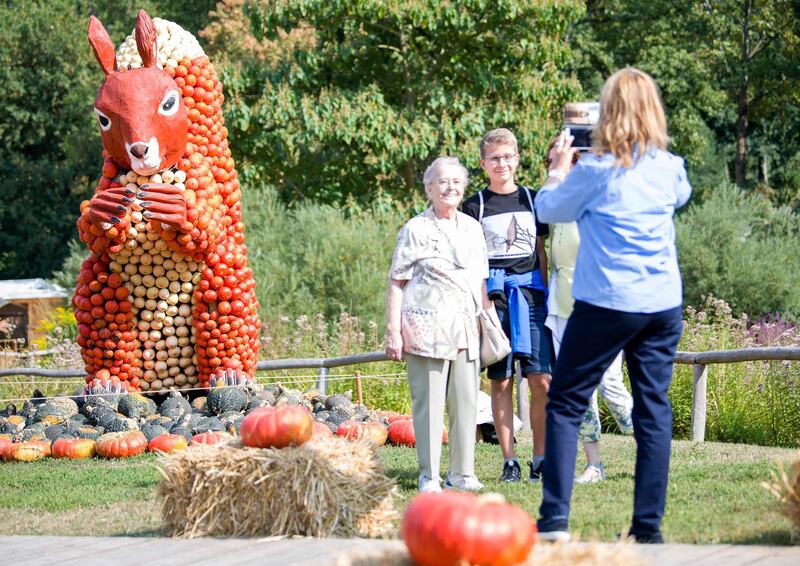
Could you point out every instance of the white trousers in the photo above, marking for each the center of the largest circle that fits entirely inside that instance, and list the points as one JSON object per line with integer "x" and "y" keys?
{"x": 612, "y": 389}
{"x": 434, "y": 384}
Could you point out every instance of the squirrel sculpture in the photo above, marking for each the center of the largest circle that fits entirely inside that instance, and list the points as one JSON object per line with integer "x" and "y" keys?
{"x": 165, "y": 299}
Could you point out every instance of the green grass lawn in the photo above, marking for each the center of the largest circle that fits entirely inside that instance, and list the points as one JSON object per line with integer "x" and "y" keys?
{"x": 715, "y": 493}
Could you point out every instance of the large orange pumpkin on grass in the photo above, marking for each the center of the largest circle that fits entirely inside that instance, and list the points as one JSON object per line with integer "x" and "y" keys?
{"x": 277, "y": 427}
{"x": 450, "y": 528}
{"x": 121, "y": 444}
{"x": 167, "y": 443}
{"x": 372, "y": 431}
{"x": 28, "y": 451}
{"x": 76, "y": 448}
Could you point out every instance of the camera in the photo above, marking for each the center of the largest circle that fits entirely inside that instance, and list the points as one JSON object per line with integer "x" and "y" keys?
{"x": 580, "y": 118}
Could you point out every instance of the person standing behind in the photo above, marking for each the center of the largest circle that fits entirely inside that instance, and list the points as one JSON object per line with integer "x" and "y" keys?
{"x": 437, "y": 277}
{"x": 517, "y": 285}
{"x": 623, "y": 196}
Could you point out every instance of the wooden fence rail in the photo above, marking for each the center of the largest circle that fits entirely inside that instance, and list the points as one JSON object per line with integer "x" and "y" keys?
{"x": 699, "y": 361}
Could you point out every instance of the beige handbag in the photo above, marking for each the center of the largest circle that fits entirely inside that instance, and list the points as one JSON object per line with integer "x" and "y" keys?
{"x": 494, "y": 342}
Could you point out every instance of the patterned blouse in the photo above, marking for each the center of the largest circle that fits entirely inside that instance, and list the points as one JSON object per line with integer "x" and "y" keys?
{"x": 445, "y": 264}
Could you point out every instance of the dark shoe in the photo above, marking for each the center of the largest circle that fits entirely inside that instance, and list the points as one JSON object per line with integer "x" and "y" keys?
{"x": 652, "y": 538}
{"x": 511, "y": 472}
{"x": 535, "y": 475}
{"x": 553, "y": 530}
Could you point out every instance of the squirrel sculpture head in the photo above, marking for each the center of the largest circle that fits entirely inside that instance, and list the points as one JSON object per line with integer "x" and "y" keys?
{"x": 143, "y": 121}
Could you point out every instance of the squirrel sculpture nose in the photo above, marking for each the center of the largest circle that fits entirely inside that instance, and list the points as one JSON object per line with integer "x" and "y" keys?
{"x": 139, "y": 150}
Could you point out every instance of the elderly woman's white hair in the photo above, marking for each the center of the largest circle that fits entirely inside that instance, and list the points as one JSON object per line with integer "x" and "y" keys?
{"x": 430, "y": 173}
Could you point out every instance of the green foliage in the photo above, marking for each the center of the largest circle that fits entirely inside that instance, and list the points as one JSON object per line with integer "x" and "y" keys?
{"x": 387, "y": 86}
{"x": 718, "y": 64}
{"x": 737, "y": 246}
{"x": 752, "y": 402}
{"x": 315, "y": 258}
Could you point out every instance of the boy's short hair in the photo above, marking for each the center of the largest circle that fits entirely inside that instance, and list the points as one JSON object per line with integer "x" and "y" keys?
{"x": 498, "y": 136}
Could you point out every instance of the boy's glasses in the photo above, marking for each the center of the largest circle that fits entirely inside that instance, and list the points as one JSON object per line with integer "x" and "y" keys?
{"x": 498, "y": 159}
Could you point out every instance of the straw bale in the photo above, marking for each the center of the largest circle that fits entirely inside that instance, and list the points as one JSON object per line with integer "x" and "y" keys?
{"x": 325, "y": 487}
{"x": 785, "y": 486}
{"x": 560, "y": 554}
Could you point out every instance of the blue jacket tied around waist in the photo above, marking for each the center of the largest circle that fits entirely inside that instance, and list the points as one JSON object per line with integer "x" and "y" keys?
{"x": 519, "y": 311}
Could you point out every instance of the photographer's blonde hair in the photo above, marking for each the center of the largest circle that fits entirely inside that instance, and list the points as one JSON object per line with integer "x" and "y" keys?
{"x": 631, "y": 114}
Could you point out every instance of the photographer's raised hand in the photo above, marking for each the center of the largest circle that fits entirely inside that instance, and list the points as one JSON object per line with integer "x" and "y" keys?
{"x": 561, "y": 156}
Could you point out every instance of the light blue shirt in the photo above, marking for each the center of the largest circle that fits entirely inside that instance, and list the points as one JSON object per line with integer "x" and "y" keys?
{"x": 627, "y": 259}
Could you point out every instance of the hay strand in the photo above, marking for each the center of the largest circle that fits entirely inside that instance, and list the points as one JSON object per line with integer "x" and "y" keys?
{"x": 785, "y": 486}
{"x": 327, "y": 487}
{"x": 560, "y": 554}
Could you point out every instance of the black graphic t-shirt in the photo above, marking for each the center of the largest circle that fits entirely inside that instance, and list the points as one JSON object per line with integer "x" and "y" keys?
{"x": 510, "y": 228}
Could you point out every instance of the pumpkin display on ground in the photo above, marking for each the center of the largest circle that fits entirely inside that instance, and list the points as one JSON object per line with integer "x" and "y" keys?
{"x": 401, "y": 433}
{"x": 121, "y": 444}
{"x": 210, "y": 438}
{"x": 165, "y": 298}
{"x": 451, "y": 528}
{"x": 74, "y": 448}
{"x": 277, "y": 427}
{"x": 372, "y": 431}
{"x": 260, "y": 492}
{"x": 167, "y": 443}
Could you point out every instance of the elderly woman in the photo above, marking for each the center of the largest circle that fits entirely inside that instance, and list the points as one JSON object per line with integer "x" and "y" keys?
{"x": 437, "y": 277}
{"x": 623, "y": 196}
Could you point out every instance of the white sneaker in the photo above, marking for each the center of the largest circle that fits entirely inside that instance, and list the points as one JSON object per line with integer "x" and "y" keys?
{"x": 591, "y": 474}
{"x": 462, "y": 482}
{"x": 429, "y": 485}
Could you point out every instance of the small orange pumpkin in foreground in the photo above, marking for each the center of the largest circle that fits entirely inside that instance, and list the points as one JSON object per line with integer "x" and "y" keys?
{"x": 372, "y": 431}
{"x": 167, "y": 443}
{"x": 450, "y": 528}
{"x": 277, "y": 427}
{"x": 121, "y": 444}
{"x": 74, "y": 448}
{"x": 28, "y": 451}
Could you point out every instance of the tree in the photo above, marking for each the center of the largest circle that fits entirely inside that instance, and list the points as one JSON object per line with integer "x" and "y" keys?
{"x": 386, "y": 86}
{"x": 725, "y": 67}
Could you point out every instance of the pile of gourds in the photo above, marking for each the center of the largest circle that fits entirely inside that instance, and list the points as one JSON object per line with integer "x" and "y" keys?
{"x": 111, "y": 423}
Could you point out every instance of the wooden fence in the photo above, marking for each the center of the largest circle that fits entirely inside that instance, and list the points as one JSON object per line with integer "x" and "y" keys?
{"x": 699, "y": 361}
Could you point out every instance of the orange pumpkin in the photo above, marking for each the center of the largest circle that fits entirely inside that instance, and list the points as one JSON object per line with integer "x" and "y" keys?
{"x": 372, "y": 431}
{"x": 167, "y": 443}
{"x": 74, "y": 448}
{"x": 450, "y": 528}
{"x": 277, "y": 427}
{"x": 5, "y": 446}
{"x": 401, "y": 433}
{"x": 121, "y": 444}
{"x": 210, "y": 437}
{"x": 321, "y": 429}
{"x": 28, "y": 451}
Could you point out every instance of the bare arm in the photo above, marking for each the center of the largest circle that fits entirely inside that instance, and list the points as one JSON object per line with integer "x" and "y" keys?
{"x": 394, "y": 303}
{"x": 541, "y": 251}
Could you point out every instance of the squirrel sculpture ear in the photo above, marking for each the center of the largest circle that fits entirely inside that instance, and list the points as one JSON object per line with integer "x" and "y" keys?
{"x": 102, "y": 46}
{"x": 146, "y": 39}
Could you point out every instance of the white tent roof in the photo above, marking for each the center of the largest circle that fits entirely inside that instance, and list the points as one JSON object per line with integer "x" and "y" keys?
{"x": 16, "y": 289}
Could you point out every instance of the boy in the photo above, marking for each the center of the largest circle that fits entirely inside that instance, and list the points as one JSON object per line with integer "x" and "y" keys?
{"x": 517, "y": 283}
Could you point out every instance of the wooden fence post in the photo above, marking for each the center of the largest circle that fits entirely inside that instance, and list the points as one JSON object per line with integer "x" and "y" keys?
{"x": 699, "y": 393}
{"x": 359, "y": 394}
{"x": 322, "y": 380}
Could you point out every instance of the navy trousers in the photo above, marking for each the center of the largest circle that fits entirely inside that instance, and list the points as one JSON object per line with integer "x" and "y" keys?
{"x": 592, "y": 339}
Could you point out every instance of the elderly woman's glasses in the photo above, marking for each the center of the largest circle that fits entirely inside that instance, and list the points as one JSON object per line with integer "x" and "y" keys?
{"x": 454, "y": 182}
{"x": 498, "y": 159}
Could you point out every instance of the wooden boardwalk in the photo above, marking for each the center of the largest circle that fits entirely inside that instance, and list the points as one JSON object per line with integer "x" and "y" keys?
{"x": 125, "y": 551}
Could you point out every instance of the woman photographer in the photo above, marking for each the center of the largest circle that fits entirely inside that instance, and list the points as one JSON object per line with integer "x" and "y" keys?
{"x": 623, "y": 196}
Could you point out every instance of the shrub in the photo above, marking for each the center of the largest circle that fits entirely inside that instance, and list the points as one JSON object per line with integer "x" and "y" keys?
{"x": 736, "y": 246}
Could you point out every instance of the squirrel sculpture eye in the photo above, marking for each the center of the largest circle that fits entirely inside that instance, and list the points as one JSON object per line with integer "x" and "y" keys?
{"x": 169, "y": 105}
{"x": 105, "y": 122}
